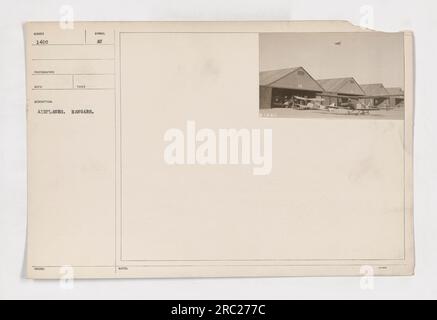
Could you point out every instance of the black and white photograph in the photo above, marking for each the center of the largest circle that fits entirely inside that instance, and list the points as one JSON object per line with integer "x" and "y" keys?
{"x": 332, "y": 75}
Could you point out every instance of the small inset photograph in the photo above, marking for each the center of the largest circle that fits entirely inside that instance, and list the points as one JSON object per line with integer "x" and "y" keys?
{"x": 358, "y": 75}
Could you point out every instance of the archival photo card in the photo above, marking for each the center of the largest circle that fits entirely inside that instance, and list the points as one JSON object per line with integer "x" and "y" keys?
{"x": 151, "y": 155}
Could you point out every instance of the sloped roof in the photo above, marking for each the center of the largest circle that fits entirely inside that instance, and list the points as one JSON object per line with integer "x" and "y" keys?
{"x": 395, "y": 91}
{"x": 342, "y": 85}
{"x": 289, "y": 78}
{"x": 332, "y": 85}
{"x": 375, "y": 90}
{"x": 266, "y": 78}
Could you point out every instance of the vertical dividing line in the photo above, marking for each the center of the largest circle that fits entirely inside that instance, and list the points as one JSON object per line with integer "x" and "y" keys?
{"x": 121, "y": 148}
{"x": 405, "y": 150}
{"x": 115, "y": 158}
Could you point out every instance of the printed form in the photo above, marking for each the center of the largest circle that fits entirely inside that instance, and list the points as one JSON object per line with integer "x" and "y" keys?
{"x": 153, "y": 152}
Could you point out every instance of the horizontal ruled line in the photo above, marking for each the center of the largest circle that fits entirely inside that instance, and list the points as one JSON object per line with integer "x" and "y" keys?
{"x": 72, "y": 59}
{"x": 72, "y": 44}
{"x": 226, "y": 265}
{"x": 72, "y": 89}
{"x": 73, "y": 74}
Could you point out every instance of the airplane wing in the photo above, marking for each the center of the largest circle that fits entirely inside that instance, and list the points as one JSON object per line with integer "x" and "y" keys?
{"x": 367, "y": 109}
{"x": 317, "y": 99}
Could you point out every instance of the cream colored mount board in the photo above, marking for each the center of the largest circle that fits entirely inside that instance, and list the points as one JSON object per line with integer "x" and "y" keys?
{"x": 218, "y": 149}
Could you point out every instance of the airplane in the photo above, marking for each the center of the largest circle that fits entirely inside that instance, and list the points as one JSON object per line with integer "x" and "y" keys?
{"x": 349, "y": 107}
{"x": 352, "y": 108}
{"x": 309, "y": 103}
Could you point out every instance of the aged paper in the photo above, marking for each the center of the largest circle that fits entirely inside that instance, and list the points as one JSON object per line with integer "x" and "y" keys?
{"x": 218, "y": 149}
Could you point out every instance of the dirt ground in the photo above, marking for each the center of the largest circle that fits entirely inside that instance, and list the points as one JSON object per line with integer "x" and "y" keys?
{"x": 393, "y": 114}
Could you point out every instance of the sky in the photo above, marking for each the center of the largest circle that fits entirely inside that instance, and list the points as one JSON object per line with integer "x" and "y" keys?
{"x": 369, "y": 57}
